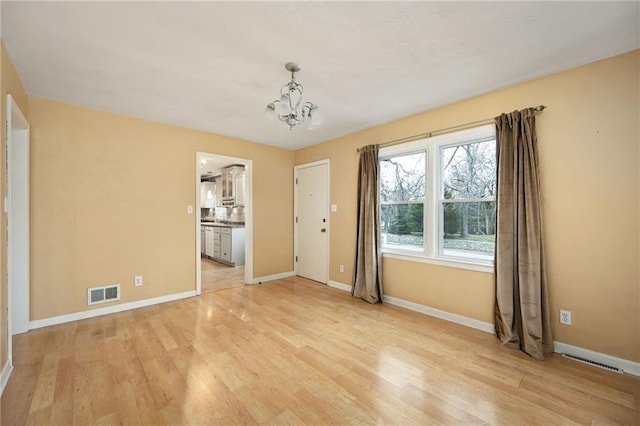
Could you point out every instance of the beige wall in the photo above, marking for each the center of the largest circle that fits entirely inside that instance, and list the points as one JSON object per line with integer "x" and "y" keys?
{"x": 10, "y": 85}
{"x": 109, "y": 198}
{"x": 588, "y": 146}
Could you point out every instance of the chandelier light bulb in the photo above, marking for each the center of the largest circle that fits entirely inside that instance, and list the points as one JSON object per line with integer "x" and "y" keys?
{"x": 283, "y": 107}
{"x": 316, "y": 116}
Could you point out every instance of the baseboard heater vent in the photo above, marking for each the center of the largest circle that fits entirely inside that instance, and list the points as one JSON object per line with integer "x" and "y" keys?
{"x": 594, "y": 363}
{"x": 108, "y": 293}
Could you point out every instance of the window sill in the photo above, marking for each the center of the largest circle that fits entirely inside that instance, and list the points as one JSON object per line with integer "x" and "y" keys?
{"x": 451, "y": 263}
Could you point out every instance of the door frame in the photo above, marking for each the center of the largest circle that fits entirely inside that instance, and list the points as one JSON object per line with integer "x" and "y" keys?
{"x": 327, "y": 163}
{"x": 17, "y": 211}
{"x": 248, "y": 214}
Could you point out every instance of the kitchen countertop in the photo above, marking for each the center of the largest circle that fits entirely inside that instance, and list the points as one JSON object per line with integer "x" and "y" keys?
{"x": 222, "y": 224}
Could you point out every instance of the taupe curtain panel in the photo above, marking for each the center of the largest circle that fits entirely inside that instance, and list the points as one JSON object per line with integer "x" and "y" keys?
{"x": 367, "y": 277}
{"x": 521, "y": 303}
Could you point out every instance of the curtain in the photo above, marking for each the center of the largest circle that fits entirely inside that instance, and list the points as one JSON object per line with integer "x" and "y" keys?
{"x": 521, "y": 296}
{"x": 367, "y": 277}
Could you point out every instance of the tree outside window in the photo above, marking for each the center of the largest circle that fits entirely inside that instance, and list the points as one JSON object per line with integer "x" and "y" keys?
{"x": 402, "y": 197}
{"x": 468, "y": 203}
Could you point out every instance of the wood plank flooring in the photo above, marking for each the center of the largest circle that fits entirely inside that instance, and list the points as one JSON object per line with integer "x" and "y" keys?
{"x": 216, "y": 276}
{"x": 294, "y": 351}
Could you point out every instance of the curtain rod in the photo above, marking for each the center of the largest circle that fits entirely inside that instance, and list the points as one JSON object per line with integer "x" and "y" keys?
{"x": 539, "y": 108}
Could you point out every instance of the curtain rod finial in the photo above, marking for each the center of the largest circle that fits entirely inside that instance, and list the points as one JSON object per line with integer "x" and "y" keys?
{"x": 540, "y": 108}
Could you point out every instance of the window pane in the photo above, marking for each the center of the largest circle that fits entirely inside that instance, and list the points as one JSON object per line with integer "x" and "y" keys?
{"x": 469, "y": 171}
{"x": 402, "y": 178}
{"x": 469, "y": 229}
{"x": 402, "y": 225}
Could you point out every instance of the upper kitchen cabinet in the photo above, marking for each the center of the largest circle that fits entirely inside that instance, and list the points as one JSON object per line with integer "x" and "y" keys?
{"x": 218, "y": 181}
{"x": 233, "y": 186}
{"x": 239, "y": 188}
{"x": 207, "y": 194}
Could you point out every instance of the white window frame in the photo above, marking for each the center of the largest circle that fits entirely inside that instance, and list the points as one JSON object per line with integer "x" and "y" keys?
{"x": 432, "y": 217}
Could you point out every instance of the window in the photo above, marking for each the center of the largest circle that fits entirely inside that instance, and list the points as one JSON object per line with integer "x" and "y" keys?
{"x": 437, "y": 197}
{"x": 402, "y": 197}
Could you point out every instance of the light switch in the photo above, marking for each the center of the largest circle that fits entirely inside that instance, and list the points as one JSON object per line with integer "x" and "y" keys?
{"x": 334, "y": 207}
{"x": 189, "y": 209}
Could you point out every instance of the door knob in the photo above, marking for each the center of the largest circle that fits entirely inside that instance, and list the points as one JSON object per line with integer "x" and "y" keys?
{"x": 323, "y": 230}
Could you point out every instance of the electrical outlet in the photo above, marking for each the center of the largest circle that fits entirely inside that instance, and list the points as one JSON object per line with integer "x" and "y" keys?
{"x": 565, "y": 317}
{"x": 138, "y": 280}
{"x": 341, "y": 268}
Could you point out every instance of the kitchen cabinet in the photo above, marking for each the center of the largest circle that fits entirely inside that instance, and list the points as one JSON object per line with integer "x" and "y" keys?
{"x": 216, "y": 242}
{"x": 239, "y": 188}
{"x": 225, "y": 247}
{"x": 208, "y": 241}
{"x": 218, "y": 181}
{"x": 202, "y": 240}
{"x": 229, "y": 185}
{"x": 207, "y": 194}
{"x": 235, "y": 252}
{"x": 224, "y": 244}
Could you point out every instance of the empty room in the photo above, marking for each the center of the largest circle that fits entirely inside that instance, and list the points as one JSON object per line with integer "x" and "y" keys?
{"x": 346, "y": 212}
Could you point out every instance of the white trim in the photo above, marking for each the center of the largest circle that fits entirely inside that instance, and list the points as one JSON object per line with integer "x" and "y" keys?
{"x": 433, "y": 312}
{"x": 260, "y": 280}
{"x": 5, "y": 376}
{"x": 625, "y": 365}
{"x": 629, "y": 367}
{"x": 19, "y": 143}
{"x": 326, "y": 162}
{"x": 450, "y": 263}
{"x": 339, "y": 286}
{"x": 46, "y": 322}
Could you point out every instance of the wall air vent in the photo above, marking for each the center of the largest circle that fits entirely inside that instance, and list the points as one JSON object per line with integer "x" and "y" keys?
{"x": 594, "y": 363}
{"x": 108, "y": 293}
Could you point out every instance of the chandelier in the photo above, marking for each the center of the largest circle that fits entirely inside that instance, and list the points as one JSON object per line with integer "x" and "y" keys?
{"x": 290, "y": 108}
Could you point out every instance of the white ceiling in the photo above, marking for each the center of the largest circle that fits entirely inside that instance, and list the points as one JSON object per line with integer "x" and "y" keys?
{"x": 213, "y": 66}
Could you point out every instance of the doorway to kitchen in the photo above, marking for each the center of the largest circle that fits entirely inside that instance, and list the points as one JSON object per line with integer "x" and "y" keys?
{"x": 224, "y": 222}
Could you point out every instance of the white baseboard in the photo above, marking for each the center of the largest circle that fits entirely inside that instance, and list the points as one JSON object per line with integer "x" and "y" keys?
{"x": 46, "y": 322}
{"x": 5, "y": 375}
{"x": 448, "y": 316}
{"x": 339, "y": 286}
{"x": 629, "y": 367}
{"x": 625, "y": 365}
{"x": 260, "y": 280}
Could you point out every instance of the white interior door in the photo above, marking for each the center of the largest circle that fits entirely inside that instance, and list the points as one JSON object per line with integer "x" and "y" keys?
{"x": 17, "y": 208}
{"x": 312, "y": 221}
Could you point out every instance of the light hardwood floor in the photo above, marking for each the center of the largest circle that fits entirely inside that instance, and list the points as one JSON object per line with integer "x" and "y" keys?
{"x": 216, "y": 276}
{"x": 295, "y": 351}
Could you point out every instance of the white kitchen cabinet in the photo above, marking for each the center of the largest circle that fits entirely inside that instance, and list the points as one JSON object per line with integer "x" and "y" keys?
{"x": 218, "y": 181}
{"x": 240, "y": 188}
{"x": 237, "y": 245}
{"x": 225, "y": 244}
{"x": 208, "y": 241}
{"x": 216, "y": 242}
{"x": 207, "y": 194}
{"x": 202, "y": 240}
{"x": 225, "y": 247}
{"x": 229, "y": 185}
